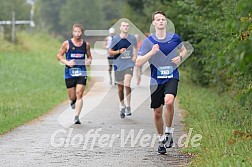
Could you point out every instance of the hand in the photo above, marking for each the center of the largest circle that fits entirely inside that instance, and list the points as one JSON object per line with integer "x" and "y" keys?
{"x": 88, "y": 61}
{"x": 155, "y": 49}
{"x": 122, "y": 50}
{"x": 71, "y": 63}
{"x": 176, "y": 60}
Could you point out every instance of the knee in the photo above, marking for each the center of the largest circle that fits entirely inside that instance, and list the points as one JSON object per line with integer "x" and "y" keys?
{"x": 169, "y": 102}
{"x": 127, "y": 83}
{"x": 127, "y": 86}
{"x": 79, "y": 94}
{"x": 157, "y": 114}
{"x": 120, "y": 88}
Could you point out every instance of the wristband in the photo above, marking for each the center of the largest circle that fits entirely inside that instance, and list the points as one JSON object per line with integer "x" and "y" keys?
{"x": 181, "y": 58}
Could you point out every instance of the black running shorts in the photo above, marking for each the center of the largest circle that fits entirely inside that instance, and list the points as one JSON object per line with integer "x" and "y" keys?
{"x": 158, "y": 92}
{"x": 72, "y": 82}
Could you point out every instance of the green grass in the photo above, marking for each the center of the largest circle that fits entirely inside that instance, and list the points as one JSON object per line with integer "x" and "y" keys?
{"x": 32, "y": 80}
{"x": 225, "y": 126}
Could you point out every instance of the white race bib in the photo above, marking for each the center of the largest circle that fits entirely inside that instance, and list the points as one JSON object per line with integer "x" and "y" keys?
{"x": 74, "y": 72}
{"x": 165, "y": 72}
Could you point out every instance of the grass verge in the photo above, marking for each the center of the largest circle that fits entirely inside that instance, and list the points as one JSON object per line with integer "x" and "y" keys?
{"x": 225, "y": 126}
{"x": 32, "y": 80}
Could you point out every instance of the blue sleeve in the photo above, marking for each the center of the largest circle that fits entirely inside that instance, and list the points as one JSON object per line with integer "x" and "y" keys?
{"x": 178, "y": 39}
{"x": 145, "y": 47}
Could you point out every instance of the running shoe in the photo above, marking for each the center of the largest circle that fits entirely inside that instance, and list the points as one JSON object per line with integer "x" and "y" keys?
{"x": 122, "y": 112}
{"x": 161, "y": 147}
{"x": 77, "y": 120}
{"x": 128, "y": 111}
{"x": 169, "y": 140}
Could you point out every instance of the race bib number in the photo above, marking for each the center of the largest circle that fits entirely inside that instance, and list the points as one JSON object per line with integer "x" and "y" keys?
{"x": 126, "y": 55}
{"x": 165, "y": 72}
{"x": 74, "y": 72}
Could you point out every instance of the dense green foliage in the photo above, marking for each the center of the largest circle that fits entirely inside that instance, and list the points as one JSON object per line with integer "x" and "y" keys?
{"x": 21, "y": 9}
{"x": 17, "y": 8}
{"x": 220, "y": 32}
{"x": 59, "y": 15}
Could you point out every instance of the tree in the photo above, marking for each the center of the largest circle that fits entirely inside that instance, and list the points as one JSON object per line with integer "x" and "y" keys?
{"x": 89, "y": 13}
{"x": 20, "y": 7}
{"x": 48, "y": 15}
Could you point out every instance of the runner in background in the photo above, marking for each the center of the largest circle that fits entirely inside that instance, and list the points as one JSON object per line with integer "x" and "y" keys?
{"x": 107, "y": 43}
{"x": 124, "y": 50}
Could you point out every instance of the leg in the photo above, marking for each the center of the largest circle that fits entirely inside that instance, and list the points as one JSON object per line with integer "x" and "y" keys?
{"x": 158, "y": 120}
{"x": 169, "y": 112}
{"x": 121, "y": 98}
{"x": 119, "y": 77}
{"x": 79, "y": 93}
{"x": 80, "y": 87}
{"x": 110, "y": 73}
{"x": 138, "y": 74}
{"x": 127, "y": 79}
{"x": 170, "y": 94}
{"x": 71, "y": 93}
{"x": 169, "y": 109}
{"x": 110, "y": 63}
{"x": 120, "y": 87}
{"x": 171, "y": 88}
{"x": 157, "y": 102}
{"x": 71, "y": 89}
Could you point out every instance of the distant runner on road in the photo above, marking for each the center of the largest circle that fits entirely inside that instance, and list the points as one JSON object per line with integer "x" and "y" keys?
{"x": 107, "y": 44}
{"x": 77, "y": 56}
{"x": 124, "y": 50}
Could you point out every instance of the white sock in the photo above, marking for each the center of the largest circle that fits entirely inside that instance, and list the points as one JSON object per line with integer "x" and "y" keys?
{"x": 161, "y": 137}
{"x": 168, "y": 129}
{"x": 122, "y": 106}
